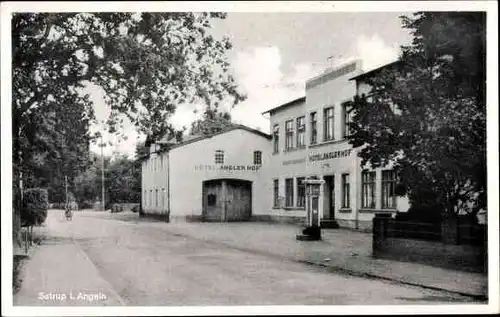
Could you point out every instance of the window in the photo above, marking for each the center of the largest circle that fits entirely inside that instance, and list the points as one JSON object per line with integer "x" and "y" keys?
{"x": 219, "y": 157}
{"x": 257, "y": 157}
{"x": 314, "y": 128}
{"x": 347, "y": 119}
{"x": 328, "y": 124}
{"x": 301, "y": 192}
{"x": 145, "y": 198}
{"x": 276, "y": 137}
{"x": 150, "y": 198}
{"x": 289, "y": 134}
{"x": 276, "y": 184}
{"x": 301, "y": 132}
{"x": 163, "y": 198}
{"x": 368, "y": 189}
{"x": 156, "y": 198}
{"x": 211, "y": 200}
{"x": 388, "y": 187}
{"x": 346, "y": 199}
{"x": 289, "y": 192}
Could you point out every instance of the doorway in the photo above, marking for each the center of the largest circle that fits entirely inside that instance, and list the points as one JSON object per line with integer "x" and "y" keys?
{"x": 227, "y": 200}
{"x": 329, "y": 209}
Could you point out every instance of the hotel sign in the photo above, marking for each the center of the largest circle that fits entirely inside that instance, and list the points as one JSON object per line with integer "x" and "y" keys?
{"x": 230, "y": 168}
{"x": 329, "y": 155}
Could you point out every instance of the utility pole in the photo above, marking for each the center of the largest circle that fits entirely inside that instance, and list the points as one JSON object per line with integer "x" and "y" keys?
{"x": 21, "y": 175}
{"x": 66, "y": 186}
{"x": 102, "y": 175}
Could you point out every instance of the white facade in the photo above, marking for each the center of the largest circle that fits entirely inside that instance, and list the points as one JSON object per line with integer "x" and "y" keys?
{"x": 329, "y": 157}
{"x": 174, "y": 181}
{"x": 185, "y": 167}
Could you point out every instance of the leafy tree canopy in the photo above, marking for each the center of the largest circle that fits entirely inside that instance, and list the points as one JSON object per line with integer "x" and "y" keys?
{"x": 146, "y": 63}
{"x": 427, "y": 113}
{"x": 211, "y": 122}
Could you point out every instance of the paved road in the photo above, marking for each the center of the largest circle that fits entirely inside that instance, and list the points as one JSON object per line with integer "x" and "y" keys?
{"x": 145, "y": 264}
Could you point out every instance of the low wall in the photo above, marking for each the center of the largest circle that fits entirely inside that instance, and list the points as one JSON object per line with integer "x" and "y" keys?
{"x": 465, "y": 257}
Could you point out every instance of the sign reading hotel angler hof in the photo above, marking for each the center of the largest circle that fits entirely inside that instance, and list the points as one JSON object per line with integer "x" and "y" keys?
{"x": 225, "y": 168}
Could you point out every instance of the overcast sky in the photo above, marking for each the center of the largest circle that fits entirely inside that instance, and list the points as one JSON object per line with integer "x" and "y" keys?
{"x": 275, "y": 53}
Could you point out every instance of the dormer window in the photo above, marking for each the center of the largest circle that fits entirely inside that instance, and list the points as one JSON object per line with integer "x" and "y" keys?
{"x": 219, "y": 157}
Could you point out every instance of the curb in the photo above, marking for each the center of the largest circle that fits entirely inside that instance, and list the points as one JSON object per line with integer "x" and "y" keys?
{"x": 400, "y": 281}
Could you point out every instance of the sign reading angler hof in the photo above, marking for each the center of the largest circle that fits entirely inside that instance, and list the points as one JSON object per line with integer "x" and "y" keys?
{"x": 329, "y": 155}
{"x": 220, "y": 168}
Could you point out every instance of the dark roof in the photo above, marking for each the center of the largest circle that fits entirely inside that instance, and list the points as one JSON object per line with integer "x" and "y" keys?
{"x": 233, "y": 127}
{"x": 290, "y": 103}
{"x": 374, "y": 71}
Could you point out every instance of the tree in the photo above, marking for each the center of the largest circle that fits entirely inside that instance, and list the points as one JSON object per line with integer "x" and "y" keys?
{"x": 87, "y": 185}
{"x": 427, "y": 113}
{"x": 123, "y": 181}
{"x": 146, "y": 63}
{"x": 212, "y": 122}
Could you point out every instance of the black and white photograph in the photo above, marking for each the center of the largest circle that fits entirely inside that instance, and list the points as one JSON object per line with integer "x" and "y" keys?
{"x": 249, "y": 158}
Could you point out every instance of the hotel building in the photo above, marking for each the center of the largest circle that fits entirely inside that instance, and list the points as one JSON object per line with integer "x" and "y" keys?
{"x": 243, "y": 174}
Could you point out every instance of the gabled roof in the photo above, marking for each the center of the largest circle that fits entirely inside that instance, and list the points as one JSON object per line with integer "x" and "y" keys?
{"x": 203, "y": 137}
{"x": 290, "y": 103}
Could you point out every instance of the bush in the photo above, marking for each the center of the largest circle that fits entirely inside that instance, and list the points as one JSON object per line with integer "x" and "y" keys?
{"x": 86, "y": 204}
{"x": 116, "y": 208}
{"x": 108, "y": 205}
{"x": 34, "y": 207}
{"x": 135, "y": 208}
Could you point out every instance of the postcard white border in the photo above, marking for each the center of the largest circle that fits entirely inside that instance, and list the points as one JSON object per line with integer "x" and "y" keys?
{"x": 7, "y": 8}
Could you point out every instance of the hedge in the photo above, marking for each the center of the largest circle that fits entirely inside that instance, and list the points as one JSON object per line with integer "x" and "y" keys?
{"x": 34, "y": 207}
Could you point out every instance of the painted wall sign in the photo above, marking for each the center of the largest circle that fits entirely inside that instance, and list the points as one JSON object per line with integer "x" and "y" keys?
{"x": 219, "y": 168}
{"x": 329, "y": 155}
{"x": 297, "y": 161}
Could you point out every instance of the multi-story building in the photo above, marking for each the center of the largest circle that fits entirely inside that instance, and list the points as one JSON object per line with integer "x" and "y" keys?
{"x": 308, "y": 139}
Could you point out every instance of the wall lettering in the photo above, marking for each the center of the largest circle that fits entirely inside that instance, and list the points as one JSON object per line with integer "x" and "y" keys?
{"x": 226, "y": 168}
{"x": 329, "y": 155}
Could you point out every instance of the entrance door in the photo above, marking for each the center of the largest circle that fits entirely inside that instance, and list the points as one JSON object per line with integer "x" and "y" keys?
{"x": 238, "y": 200}
{"x": 213, "y": 201}
{"x": 227, "y": 200}
{"x": 330, "y": 194}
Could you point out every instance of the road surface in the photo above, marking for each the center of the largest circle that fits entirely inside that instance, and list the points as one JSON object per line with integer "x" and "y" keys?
{"x": 145, "y": 264}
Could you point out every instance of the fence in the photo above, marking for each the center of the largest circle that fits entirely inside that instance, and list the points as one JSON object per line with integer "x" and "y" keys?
{"x": 419, "y": 242}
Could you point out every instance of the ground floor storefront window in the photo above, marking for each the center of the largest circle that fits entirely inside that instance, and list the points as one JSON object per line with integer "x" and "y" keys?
{"x": 301, "y": 192}
{"x": 346, "y": 195}
{"x": 276, "y": 185}
{"x": 289, "y": 192}
{"x": 368, "y": 189}
{"x": 388, "y": 187}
